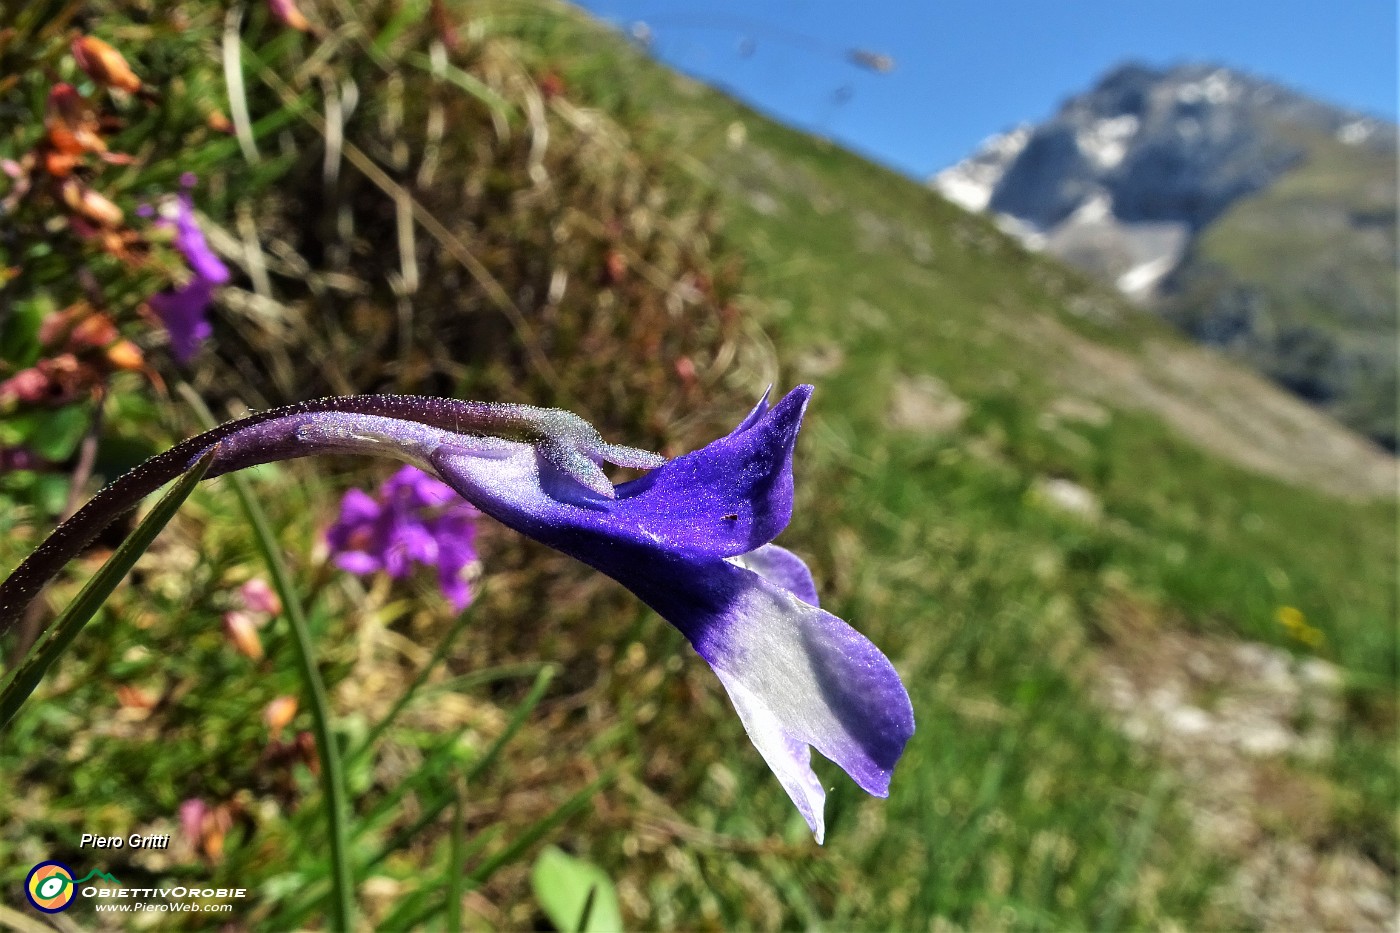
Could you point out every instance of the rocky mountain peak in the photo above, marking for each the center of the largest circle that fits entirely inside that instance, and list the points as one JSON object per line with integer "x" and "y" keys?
{"x": 1124, "y": 175}
{"x": 1255, "y": 217}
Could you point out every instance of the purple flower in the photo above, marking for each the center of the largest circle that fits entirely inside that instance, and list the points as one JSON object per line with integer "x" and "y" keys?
{"x": 414, "y": 519}
{"x": 18, "y": 458}
{"x": 182, "y": 309}
{"x": 692, "y": 539}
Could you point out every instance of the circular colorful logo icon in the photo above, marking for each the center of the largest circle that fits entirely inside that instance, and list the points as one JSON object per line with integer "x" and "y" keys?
{"x": 50, "y": 887}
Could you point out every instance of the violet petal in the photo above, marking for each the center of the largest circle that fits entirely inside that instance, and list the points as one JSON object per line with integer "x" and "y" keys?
{"x": 798, "y": 676}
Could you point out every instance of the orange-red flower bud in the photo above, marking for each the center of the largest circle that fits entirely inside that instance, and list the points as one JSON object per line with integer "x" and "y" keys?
{"x": 219, "y": 123}
{"x": 241, "y": 630}
{"x": 214, "y": 827}
{"x": 306, "y": 747}
{"x": 279, "y": 713}
{"x": 286, "y": 13}
{"x": 54, "y": 329}
{"x": 135, "y": 698}
{"x": 93, "y": 332}
{"x": 71, "y": 126}
{"x": 59, "y": 164}
{"x": 614, "y": 267}
{"x": 552, "y": 85}
{"x": 90, "y": 205}
{"x": 125, "y": 355}
{"x": 104, "y": 64}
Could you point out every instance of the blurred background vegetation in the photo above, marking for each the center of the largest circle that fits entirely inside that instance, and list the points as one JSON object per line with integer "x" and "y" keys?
{"x": 1144, "y": 604}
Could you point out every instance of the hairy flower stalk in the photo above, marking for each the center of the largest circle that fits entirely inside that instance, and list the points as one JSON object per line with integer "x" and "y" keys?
{"x": 691, "y": 539}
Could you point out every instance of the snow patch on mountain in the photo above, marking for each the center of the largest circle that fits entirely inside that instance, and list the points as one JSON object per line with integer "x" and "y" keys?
{"x": 1105, "y": 142}
{"x": 970, "y": 183}
{"x": 1215, "y": 88}
{"x": 1358, "y": 132}
{"x": 1142, "y": 278}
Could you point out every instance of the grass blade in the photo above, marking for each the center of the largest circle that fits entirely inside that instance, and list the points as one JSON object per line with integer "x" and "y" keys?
{"x": 25, "y": 676}
{"x": 456, "y": 861}
{"x": 536, "y": 832}
{"x": 1120, "y": 893}
{"x": 586, "y": 914}
{"x": 332, "y": 767}
{"x": 407, "y": 696}
{"x": 411, "y": 912}
{"x": 404, "y": 918}
{"x": 233, "y": 80}
{"x": 437, "y": 764}
{"x": 517, "y": 720}
{"x": 431, "y": 812}
{"x": 465, "y": 82}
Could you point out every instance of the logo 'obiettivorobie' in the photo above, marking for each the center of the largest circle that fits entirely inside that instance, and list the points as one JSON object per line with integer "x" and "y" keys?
{"x": 51, "y": 887}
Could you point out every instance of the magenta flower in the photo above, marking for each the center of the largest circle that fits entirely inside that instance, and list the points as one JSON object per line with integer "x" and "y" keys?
{"x": 413, "y": 519}
{"x": 192, "y": 813}
{"x": 182, "y": 310}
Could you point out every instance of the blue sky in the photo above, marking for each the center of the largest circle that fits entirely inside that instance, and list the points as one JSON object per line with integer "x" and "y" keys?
{"x": 967, "y": 69}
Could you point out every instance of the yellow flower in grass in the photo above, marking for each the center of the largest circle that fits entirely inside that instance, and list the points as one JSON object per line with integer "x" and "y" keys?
{"x": 1292, "y": 618}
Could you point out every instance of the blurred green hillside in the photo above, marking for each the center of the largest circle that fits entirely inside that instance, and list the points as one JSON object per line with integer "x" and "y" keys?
{"x": 1299, "y": 281}
{"x": 1143, "y": 601}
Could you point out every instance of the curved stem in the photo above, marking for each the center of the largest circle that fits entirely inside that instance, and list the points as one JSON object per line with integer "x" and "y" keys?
{"x": 273, "y": 435}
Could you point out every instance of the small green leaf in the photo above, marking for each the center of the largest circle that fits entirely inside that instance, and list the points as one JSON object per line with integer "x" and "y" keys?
{"x": 19, "y": 335}
{"x": 576, "y": 896}
{"x": 54, "y": 435}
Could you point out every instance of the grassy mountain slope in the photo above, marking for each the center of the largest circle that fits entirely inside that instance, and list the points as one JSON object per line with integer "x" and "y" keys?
{"x": 942, "y": 354}
{"x": 1298, "y": 280}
